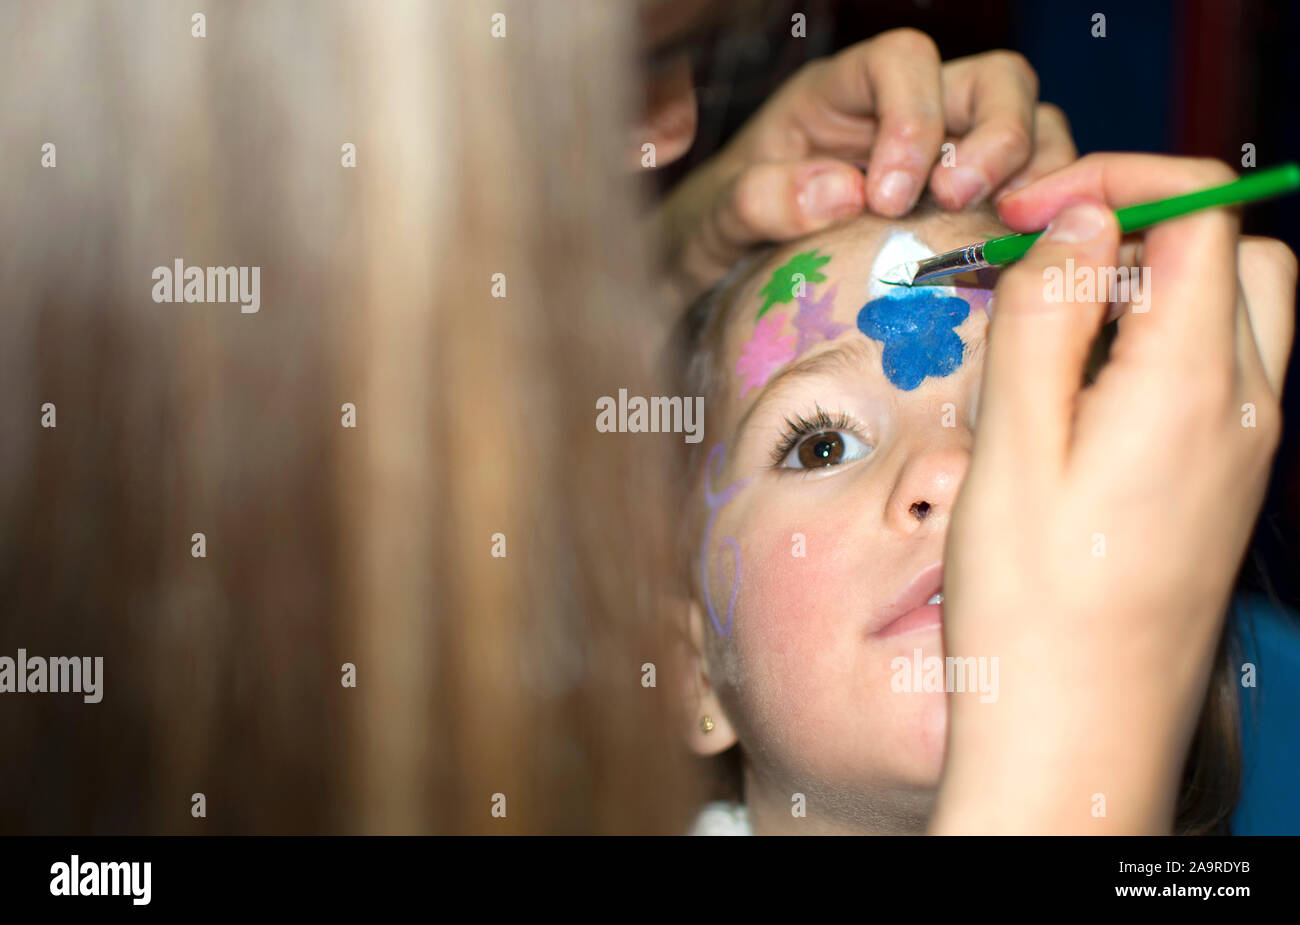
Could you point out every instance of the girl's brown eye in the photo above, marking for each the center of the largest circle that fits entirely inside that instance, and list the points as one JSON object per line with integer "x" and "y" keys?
{"x": 824, "y": 449}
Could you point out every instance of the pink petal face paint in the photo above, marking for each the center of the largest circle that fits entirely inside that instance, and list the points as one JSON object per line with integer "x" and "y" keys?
{"x": 767, "y": 350}
{"x": 764, "y": 353}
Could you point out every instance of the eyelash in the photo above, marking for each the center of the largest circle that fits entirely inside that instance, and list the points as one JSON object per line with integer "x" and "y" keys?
{"x": 799, "y": 427}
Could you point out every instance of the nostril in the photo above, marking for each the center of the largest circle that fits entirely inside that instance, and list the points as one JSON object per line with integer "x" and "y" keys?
{"x": 920, "y": 510}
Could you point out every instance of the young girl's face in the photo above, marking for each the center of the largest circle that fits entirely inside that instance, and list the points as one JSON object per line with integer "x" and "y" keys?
{"x": 836, "y": 452}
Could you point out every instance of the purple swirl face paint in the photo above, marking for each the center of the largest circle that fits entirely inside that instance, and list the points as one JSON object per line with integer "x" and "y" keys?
{"x": 916, "y": 328}
{"x": 715, "y": 501}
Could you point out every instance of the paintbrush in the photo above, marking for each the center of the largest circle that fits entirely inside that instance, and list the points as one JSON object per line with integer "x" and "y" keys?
{"x": 1276, "y": 181}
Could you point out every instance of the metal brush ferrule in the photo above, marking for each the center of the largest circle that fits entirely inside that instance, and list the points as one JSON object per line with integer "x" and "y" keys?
{"x": 967, "y": 258}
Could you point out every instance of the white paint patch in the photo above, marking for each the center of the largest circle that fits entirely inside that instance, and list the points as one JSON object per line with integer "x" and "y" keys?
{"x": 899, "y": 247}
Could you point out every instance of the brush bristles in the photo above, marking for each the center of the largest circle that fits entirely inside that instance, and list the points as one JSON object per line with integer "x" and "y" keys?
{"x": 901, "y": 275}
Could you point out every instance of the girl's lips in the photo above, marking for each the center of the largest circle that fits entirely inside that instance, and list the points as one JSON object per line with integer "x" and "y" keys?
{"x": 925, "y": 617}
{"x": 911, "y": 610}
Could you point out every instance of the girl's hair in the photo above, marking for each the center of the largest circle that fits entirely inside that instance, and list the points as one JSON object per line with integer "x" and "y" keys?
{"x": 1212, "y": 772}
{"x": 486, "y": 561}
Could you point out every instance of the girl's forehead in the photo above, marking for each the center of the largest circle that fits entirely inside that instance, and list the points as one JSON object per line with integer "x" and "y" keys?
{"x": 853, "y": 249}
{"x": 828, "y": 288}
{"x": 847, "y": 262}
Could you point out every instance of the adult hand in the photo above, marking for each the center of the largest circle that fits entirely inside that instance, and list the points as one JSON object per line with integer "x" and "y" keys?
{"x": 888, "y": 101}
{"x": 1096, "y": 539}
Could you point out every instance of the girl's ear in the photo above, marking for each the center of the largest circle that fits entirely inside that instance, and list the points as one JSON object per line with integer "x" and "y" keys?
{"x": 669, "y": 118}
{"x": 709, "y": 730}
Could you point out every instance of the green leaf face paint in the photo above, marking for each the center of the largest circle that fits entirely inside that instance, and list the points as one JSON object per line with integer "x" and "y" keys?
{"x": 801, "y": 269}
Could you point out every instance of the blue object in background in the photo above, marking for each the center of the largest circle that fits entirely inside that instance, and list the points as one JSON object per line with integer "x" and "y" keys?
{"x": 1115, "y": 90}
{"x": 1270, "y": 719}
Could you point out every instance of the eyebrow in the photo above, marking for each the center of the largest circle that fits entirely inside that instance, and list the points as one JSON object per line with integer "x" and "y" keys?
{"x": 851, "y": 354}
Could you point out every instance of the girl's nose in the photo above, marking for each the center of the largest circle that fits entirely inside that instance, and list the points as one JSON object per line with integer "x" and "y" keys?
{"x": 926, "y": 488}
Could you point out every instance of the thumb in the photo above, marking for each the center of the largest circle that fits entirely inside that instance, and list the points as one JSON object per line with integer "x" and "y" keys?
{"x": 776, "y": 201}
{"x": 1040, "y": 336}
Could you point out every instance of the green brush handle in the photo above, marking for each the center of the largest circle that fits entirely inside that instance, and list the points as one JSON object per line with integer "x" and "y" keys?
{"x": 1265, "y": 184}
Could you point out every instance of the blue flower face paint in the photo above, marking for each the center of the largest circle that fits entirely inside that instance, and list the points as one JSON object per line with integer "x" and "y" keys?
{"x": 916, "y": 328}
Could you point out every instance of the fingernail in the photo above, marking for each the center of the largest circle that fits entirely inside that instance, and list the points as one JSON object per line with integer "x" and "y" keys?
{"x": 1076, "y": 224}
{"x": 827, "y": 195}
{"x": 967, "y": 184}
{"x": 1011, "y": 186}
{"x": 897, "y": 192}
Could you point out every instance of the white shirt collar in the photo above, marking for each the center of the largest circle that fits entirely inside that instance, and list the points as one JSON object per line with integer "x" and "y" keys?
{"x": 723, "y": 818}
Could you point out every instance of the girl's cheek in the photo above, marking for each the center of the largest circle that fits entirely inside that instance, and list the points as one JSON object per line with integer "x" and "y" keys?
{"x": 814, "y": 688}
{"x": 793, "y": 600}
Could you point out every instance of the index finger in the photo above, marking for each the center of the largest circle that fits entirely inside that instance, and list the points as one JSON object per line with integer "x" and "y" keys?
{"x": 1191, "y": 260}
{"x": 1190, "y": 274}
{"x": 1116, "y": 179}
{"x": 990, "y": 100}
{"x": 895, "y": 77}
{"x": 1190, "y": 326}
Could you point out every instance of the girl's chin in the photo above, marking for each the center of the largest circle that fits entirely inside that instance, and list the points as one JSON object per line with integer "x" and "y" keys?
{"x": 927, "y": 733}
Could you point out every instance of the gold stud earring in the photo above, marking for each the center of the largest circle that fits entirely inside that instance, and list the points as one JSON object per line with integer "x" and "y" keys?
{"x": 706, "y": 724}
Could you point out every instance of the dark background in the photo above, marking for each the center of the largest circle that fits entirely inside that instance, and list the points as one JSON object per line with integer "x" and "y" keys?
{"x": 1201, "y": 77}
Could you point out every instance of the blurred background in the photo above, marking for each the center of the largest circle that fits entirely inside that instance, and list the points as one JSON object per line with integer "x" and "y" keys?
{"x": 473, "y": 548}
